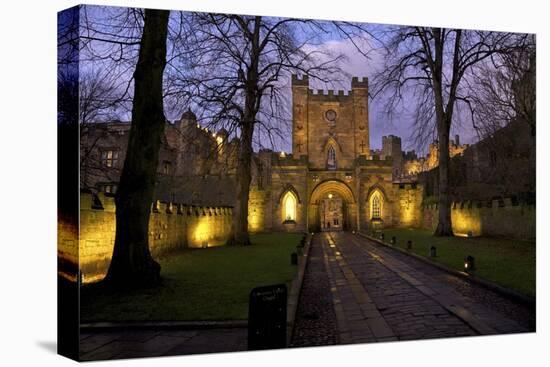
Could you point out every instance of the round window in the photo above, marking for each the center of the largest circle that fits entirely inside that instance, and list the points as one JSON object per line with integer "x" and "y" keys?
{"x": 330, "y": 115}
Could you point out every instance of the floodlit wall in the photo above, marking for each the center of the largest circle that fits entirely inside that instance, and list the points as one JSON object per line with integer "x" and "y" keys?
{"x": 171, "y": 227}
{"x": 492, "y": 218}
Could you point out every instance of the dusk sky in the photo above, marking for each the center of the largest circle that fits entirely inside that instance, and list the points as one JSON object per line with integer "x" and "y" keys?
{"x": 355, "y": 64}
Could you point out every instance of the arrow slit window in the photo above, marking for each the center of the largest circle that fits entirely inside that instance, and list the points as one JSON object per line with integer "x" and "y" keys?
{"x": 331, "y": 158}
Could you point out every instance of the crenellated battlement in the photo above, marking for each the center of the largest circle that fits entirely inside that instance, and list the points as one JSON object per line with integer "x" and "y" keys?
{"x": 329, "y": 93}
{"x": 359, "y": 83}
{"x": 172, "y": 227}
{"x": 298, "y": 81}
{"x": 499, "y": 217}
{"x": 356, "y": 83}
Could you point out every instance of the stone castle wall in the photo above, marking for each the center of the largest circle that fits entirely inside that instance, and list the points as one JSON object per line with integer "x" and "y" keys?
{"x": 259, "y": 210}
{"x": 171, "y": 227}
{"x": 492, "y": 218}
{"x": 408, "y": 205}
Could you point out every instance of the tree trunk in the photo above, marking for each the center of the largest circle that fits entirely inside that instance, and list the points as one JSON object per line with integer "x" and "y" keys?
{"x": 251, "y": 106}
{"x": 240, "y": 215}
{"x": 132, "y": 264}
{"x": 444, "y": 225}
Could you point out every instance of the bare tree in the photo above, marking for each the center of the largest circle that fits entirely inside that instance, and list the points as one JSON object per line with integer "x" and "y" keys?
{"x": 236, "y": 77}
{"x": 429, "y": 68}
{"x": 505, "y": 89}
{"x": 132, "y": 264}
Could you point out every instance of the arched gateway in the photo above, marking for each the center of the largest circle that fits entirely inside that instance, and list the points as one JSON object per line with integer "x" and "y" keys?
{"x": 332, "y": 206}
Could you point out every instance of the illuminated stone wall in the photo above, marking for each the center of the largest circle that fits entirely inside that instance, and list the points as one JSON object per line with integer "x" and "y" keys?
{"x": 408, "y": 206}
{"x": 171, "y": 227}
{"x": 258, "y": 210}
{"x": 492, "y": 218}
{"x": 67, "y": 246}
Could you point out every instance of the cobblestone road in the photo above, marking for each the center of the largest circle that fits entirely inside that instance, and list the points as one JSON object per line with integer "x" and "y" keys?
{"x": 379, "y": 294}
{"x": 315, "y": 318}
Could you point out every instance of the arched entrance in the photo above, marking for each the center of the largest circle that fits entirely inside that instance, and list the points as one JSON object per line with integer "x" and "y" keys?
{"x": 332, "y": 206}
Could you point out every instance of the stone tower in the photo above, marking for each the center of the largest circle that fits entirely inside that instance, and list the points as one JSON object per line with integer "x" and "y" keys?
{"x": 360, "y": 94}
{"x": 331, "y": 128}
{"x": 300, "y": 93}
{"x": 391, "y": 147}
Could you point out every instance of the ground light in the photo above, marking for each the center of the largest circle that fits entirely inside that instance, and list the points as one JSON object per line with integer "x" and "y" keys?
{"x": 469, "y": 263}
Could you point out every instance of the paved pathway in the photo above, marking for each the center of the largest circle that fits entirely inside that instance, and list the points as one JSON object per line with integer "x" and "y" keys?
{"x": 354, "y": 291}
{"x": 381, "y": 295}
{"x": 154, "y": 343}
{"x": 315, "y": 322}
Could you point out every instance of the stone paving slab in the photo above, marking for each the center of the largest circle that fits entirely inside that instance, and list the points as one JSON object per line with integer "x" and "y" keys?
{"x": 358, "y": 318}
{"x": 414, "y": 303}
{"x": 148, "y": 343}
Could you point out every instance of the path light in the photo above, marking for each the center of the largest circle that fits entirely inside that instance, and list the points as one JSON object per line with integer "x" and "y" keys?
{"x": 393, "y": 240}
{"x": 469, "y": 263}
{"x": 409, "y": 245}
{"x": 433, "y": 251}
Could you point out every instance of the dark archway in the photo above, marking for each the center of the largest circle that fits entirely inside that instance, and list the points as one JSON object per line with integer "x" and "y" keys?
{"x": 324, "y": 193}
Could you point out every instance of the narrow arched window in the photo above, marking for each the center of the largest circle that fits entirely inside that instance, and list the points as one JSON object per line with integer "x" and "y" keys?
{"x": 289, "y": 207}
{"x": 376, "y": 206}
{"x": 331, "y": 158}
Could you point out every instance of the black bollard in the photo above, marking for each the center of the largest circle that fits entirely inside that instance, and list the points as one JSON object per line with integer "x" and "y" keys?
{"x": 293, "y": 258}
{"x": 433, "y": 251}
{"x": 409, "y": 245}
{"x": 469, "y": 263}
{"x": 382, "y": 236}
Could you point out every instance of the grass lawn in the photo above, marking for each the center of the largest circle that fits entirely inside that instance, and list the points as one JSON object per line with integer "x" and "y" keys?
{"x": 201, "y": 284}
{"x": 510, "y": 263}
